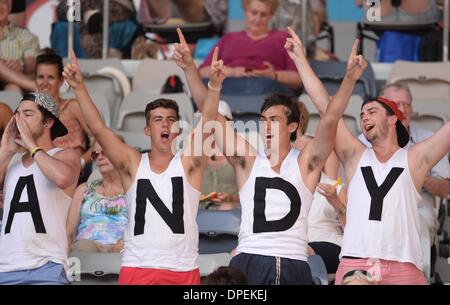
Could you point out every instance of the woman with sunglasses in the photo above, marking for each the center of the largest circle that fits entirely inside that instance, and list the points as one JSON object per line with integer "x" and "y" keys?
{"x": 98, "y": 214}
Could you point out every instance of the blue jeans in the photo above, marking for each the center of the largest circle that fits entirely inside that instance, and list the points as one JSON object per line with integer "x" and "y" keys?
{"x": 49, "y": 274}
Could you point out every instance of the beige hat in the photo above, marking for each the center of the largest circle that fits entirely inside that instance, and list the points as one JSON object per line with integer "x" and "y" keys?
{"x": 225, "y": 110}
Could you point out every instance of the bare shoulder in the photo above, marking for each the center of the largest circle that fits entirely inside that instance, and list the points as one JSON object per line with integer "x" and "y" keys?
{"x": 67, "y": 154}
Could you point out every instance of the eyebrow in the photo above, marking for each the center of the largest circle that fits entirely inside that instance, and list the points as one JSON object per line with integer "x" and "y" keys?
{"x": 371, "y": 108}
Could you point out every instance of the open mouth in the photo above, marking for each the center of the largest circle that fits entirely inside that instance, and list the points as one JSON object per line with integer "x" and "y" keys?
{"x": 165, "y": 135}
{"x": 369, "y": 127}
{"x": 269, "y": 136}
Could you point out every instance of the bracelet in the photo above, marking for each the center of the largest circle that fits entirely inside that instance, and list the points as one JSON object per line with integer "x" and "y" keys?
{"x": 34, "y": 151}
{"x": 214, "y": 89}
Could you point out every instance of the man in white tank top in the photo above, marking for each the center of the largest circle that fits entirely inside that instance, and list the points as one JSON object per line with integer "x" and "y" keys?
{"x": 38, "y": 182}
{"x": 382, "y": 226}
{"x": 275, "y": 188}
{"x": 162, "y": 187}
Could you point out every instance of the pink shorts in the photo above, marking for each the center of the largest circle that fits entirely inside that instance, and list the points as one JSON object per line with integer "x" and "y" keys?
{"x": 382, "y": 271}
{"x": 148, "y": 276}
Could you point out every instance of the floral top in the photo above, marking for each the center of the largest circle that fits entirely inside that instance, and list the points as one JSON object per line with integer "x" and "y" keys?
{"x": 102, "y": 219}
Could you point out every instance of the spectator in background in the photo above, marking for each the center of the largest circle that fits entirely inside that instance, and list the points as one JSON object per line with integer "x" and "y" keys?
{"x": 219, "y": 181}
{"x": 18, "y": 47}
{"x": 289, "y": 13}
{"x": 256, "y": 52}
{"x": 98, "y": 215}
{"x": 414, "y": 11}
{"x": 17, "y": 15}
{"x": 123, "y": 29}
{"x": 49, "y": 68}
{"x": 214, "y": 11}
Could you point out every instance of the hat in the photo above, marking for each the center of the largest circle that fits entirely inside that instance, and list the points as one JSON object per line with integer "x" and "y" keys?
{"x": 402, "y": 132}
{"x": 47, "y": 102}
{"x": 225, "y": 110}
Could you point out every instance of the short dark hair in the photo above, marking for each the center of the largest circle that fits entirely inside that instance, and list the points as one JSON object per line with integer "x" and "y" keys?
{"x": 48, "y": 56}
{"x": 375, "y": 99}
{"x": 225, "y": 276}
{"x": 293, "y": 113}
{"x": 161, "y": 103}
{"x": 46, "y": 115}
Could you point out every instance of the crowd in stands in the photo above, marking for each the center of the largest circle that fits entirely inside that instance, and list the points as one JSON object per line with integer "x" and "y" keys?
{"x": 363, "y": 203}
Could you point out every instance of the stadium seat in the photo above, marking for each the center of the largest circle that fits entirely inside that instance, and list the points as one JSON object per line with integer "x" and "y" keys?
{"x": 425, "y": 80}
{"x": 210, "y": 262}
{"x": 351, "y": 115}
{"x": 94, "y": 268}
{"x": 318, "y": 270}
{"x": 218, "y": 230}
{"x": 10, "y": 98}
{"x": 244, "y": 104}
{"x": 152, "y": 74}
{"x": 100, "y": 102}
{"x": 331, "y": 74}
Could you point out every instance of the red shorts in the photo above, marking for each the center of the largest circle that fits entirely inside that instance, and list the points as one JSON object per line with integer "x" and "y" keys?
{"x": 148, "y": 276}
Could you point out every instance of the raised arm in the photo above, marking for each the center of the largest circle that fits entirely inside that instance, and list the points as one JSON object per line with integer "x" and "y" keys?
{"x": 426, "y": 154}
{"x": 317, "y": 151}
{"x": 183, "y": 58}
{"x": 123, "y": 157}
{"x": 202, "y": 132}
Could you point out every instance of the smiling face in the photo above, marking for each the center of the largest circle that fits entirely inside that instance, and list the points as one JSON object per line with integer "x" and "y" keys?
{"x": 48, "y": 80}
{"x": 257, "y": 17}
{"x": 162, "y": 128}
{"x": 375, "y": 121}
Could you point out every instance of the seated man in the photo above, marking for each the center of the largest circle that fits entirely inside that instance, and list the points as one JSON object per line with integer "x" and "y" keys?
{"x": 18, "y": 47}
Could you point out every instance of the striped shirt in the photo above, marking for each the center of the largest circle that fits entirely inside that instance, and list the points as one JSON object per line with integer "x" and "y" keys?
{"x": 17, "y": 44}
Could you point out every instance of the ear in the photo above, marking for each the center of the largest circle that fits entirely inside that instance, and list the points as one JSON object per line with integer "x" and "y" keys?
{"x": 292, "y": 127}
{"x": 147, "y": 131}
{"x": 48, "y": 123}
{"x": 392, "y": 119}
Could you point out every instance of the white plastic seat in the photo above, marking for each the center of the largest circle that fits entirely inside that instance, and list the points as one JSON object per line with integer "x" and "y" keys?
{"x": 100, "y": 102}
{"x": 151, "y": 75}
{"x": 10, "y": 98}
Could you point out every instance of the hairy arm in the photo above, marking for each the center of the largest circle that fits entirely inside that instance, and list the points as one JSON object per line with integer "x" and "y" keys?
{"x": 123, "y": 157}
{"x": 426, "y": 154}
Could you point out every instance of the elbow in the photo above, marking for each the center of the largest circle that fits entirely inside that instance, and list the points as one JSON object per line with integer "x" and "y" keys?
{"x": 64, "y": 181}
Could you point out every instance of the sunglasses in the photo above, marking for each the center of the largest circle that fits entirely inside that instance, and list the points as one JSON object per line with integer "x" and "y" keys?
{"x": 95, "y": 154}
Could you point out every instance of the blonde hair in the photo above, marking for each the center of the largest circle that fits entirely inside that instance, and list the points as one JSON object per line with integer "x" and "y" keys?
{"x": 304, "y": 117}
{"x": 273, "y": 4}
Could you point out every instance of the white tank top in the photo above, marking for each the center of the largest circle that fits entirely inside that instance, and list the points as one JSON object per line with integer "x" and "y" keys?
{"x": 34, "y": 218}
{"x": 274, "y": 210}
{"x": 162, "y": 231}
{"x": 384, "y": 228}
{"x": 323, "y": 222}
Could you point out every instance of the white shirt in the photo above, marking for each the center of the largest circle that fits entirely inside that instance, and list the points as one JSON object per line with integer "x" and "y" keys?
{"x": 152, "y": 241}
{"x": 28, "y": 239}
{"x": 323, "y": 222}
{"x": 274, "y": 223}
{"x": 391, "y": 231}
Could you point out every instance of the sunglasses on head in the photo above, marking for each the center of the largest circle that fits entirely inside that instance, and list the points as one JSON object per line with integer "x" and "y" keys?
{"x": 95, "y": 154}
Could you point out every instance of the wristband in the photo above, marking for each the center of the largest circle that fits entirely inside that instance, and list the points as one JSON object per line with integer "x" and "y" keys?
{"x": 214, "y": 89}
{"x": 34, "y": 151}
